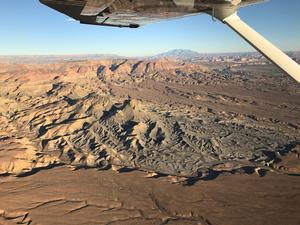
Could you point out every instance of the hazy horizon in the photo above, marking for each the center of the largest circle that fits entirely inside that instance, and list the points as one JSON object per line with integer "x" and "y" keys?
{"x": 158, "y": 53}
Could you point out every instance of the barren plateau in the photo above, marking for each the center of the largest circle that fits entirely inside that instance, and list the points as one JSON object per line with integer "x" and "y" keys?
{"x": 141, "y": 125}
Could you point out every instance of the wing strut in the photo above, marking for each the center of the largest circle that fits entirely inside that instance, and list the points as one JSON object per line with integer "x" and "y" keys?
{"x": 264, "y": 46}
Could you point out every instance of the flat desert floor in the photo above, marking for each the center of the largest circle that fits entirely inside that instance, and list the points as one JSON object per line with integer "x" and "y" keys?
{"x": 162, "y": 141}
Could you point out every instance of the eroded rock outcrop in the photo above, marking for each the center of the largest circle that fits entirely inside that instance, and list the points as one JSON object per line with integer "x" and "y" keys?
{"x": 75, "y": 114}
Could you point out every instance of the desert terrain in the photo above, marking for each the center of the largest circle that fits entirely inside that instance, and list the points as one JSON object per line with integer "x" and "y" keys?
{"x": 164, "y": 140}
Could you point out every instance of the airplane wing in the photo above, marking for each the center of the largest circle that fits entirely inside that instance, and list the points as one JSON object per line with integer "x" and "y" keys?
{"x": 123, "y": 13}
{"x": 135, "y": 13}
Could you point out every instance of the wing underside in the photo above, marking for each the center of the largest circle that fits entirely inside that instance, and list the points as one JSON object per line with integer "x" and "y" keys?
{"x": 122, "y": 13}
{"x": 135, "y": 13}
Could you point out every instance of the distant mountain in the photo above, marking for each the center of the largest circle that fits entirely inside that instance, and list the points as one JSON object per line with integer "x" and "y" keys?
{"x": 178, "y": 53}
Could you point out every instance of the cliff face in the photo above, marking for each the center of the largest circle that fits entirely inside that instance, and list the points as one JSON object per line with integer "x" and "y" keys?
{"x": 167, "y": 116}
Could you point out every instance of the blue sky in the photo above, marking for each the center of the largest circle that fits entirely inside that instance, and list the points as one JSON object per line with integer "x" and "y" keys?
{"x": 29, "y": 28}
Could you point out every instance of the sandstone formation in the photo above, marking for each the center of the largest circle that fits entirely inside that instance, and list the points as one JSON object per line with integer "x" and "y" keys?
{"x": 166, "y": 116}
